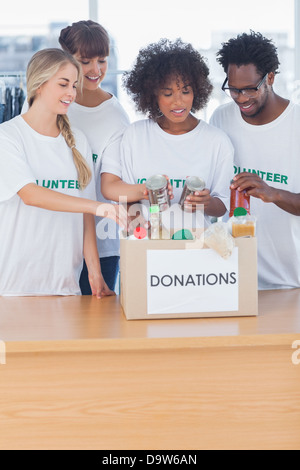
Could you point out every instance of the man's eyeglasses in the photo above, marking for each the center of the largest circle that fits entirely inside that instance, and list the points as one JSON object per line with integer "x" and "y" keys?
{"x": 248, "y": 92}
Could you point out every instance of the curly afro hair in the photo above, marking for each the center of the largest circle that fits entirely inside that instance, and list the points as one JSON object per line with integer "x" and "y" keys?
{"x": 247, "y": 49}
{"x": 157, "y": 63}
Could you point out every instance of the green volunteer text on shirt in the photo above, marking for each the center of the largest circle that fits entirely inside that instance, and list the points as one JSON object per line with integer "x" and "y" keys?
{"x": 176, "y": 183}
{"x": 264, "y": 175}
{"x": 58, "y": 184}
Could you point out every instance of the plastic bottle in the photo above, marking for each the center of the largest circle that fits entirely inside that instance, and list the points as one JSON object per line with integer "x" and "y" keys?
{"x": 243, "y": 225}
{"x": 239, "y": 199}
{"x": 155, "y": 222}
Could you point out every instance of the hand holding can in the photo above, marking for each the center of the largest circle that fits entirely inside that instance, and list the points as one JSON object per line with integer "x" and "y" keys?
{"x": 158, "y": 190}
{"x": 192, "y": 185}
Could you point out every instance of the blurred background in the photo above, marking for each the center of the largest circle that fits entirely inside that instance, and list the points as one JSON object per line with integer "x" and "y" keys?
{"x": 26, "y": 27}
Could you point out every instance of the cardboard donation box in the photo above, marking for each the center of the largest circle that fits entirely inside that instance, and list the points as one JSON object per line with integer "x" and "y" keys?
{"x": 184, "y": 279}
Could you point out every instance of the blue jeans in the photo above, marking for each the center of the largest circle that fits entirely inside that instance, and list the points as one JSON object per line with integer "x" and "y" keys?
{"x": 110, "y": 271}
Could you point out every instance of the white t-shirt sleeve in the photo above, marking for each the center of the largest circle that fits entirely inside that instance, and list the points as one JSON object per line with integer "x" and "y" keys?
{"x": 118, "y": 159}
{"x": 111, "y": 161}
{"x": 222, "y": 177}
{"x": 127, "y": 157}
{"x": 15, "y": 172}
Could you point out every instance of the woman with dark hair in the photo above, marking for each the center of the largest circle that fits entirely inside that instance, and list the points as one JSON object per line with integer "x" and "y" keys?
{"x": 100, "y": 116}
{"x": 169, "y": 83}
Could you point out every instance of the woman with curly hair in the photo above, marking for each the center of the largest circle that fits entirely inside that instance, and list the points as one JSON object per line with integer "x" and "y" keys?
{"x": 169, "y": 83}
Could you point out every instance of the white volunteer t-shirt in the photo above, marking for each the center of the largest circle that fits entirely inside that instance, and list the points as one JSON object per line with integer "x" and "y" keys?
{"x": 103, "y": 126}
{"x": 272, "y": 151}
{"x": 41, "y": 252}
{"x": 147, "y": 150}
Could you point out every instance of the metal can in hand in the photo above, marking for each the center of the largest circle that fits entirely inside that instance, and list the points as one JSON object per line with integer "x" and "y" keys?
{"x": 157, "y": 187}
{"x": 192, "y": 185}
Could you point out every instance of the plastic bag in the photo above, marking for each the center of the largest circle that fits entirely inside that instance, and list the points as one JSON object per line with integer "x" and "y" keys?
{"x": 219, "y": 239}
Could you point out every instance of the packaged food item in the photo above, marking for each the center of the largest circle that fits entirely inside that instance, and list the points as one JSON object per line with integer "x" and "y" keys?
{"x": 239, "y": 199}
{"x": 157, "y": 187}
{"x": 218, "y": 238}
{"x": 155, "y": 222}
{"x": 140, "y": 233}
{"x": 183, "y": 235}
{"x": 191, "y": 186}
{"x": 243, "y": 224}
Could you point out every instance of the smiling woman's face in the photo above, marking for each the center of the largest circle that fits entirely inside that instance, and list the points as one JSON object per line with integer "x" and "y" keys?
{"x": 93, "y": 70}
{"x": 175, "y": 100}
{"x": 59, "y": 92}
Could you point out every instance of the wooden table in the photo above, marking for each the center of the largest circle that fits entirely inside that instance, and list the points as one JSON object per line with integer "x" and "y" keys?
{"x": 78, "y": 375}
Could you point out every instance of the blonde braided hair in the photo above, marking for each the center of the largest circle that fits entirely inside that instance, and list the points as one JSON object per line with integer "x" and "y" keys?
{"x": 83, "y": 170}
{"x": 41, "y": 68}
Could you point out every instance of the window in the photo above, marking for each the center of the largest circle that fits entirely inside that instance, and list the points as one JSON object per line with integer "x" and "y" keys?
{"x": 26, "y": 27}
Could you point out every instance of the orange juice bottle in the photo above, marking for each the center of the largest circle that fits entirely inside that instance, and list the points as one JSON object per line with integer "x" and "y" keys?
{"x": 242, "y": 224}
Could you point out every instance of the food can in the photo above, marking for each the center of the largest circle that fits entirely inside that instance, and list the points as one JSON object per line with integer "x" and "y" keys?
{"x": 157, "y": 187}
{"x": 192, "y": 185}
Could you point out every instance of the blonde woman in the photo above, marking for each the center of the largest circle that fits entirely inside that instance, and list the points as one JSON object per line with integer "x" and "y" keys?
{"x": 46, "y": 186}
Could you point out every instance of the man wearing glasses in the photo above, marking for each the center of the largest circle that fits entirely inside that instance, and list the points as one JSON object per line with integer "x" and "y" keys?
{"x": 265, "y": 131}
